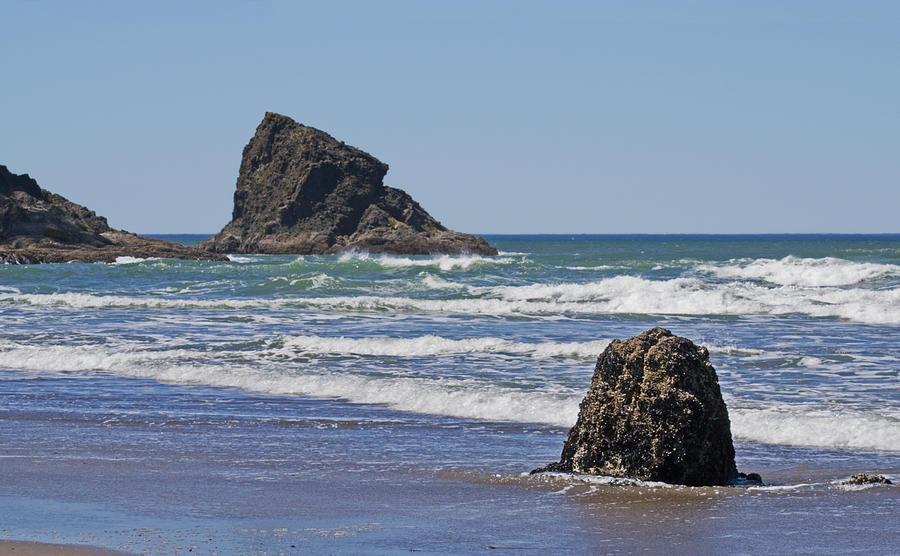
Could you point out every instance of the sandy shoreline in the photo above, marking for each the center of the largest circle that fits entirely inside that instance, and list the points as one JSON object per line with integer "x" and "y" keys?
{"x": 209, "y": 470}
{"x": 26, "y": 548}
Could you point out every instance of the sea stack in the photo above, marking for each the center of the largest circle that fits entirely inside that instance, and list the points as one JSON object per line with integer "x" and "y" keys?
{"x": 301, "y": 191}
{"x": 653, "y": 411}
{"x": 37, "y": 226}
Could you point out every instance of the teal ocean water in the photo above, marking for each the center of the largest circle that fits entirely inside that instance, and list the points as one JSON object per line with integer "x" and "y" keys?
{"x": 402, "y": 399}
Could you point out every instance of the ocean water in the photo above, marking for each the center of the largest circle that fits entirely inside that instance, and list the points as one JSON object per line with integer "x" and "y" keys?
{"x": 374, "y": 403}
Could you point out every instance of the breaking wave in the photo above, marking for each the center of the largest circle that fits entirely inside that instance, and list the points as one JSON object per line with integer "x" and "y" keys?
{"x": 465, "y": 398}
{"x": 617, "y": 295}
{"x": 242, "y": 259}
{"x": 472, "y": 398}
{"x": 796, "y": 271}
{"x": 819, "y": 428}
{"x": 133, "y": 260}
{"x": 443, "y": 262}
{"x": 430, "y": 345}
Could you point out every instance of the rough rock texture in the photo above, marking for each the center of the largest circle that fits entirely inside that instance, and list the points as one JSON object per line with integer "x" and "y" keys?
{"x": 301, "y": 191}
{"x": 748, "y": 479}
{"x": 863, "y": 479}
{"x": 654, "y": 411}
{"x": 37, "y": 226}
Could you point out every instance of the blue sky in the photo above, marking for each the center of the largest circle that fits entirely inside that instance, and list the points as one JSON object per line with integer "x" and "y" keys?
{"x": 498, "y": 117}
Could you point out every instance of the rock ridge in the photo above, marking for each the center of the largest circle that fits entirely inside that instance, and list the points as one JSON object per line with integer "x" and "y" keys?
{"x": 37, "y": 226}
{"x": 299, "y": 190}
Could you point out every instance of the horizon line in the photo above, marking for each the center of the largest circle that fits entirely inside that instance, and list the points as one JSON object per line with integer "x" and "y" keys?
{"x": 607, "y": 234}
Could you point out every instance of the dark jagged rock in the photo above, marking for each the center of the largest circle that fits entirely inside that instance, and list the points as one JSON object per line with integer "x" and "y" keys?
{"x": 301, "y": 191}
{"x": 748, "y": 479}
{"x": 863, "y": 479}
{"x": 654, "y": 411}
{"x": 37, "y": 226}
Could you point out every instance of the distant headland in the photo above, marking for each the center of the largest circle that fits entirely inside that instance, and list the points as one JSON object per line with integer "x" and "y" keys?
{"x": 37, "y": 226}
{"x": 299, "y": 191}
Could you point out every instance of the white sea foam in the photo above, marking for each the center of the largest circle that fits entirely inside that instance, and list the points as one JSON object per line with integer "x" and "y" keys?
{"x": 92, "y": 301}
{"x": 630, "y": 294}
{"x": 596, "y": 480}
{"x": 627, "y": 294}
{"x": 310, "y": 281}
{"x": 443, "y": 262}
{"x": 433, "y": 282}
{"x": 456, "y": 398}
{"x": 82, "y": 358}
{"x": 470, "y": 398}
{"x": 732, "y": 350}
{"x": 241, "y": 259}
{"x": 799, "y": 426}
{"x": 430, "y": 345}
{"x": 599, "y": 267}
{"x": 452, "y": 397}
{"x": 810, "y": 361}
{"x": 322, "y": 279}
{"x": 89, "y": 358}
{"x": 796, "y": 271}
{"x": 784, "y": 488}
{"x": 133, "y": 260}
{"x": 621, "y": 294}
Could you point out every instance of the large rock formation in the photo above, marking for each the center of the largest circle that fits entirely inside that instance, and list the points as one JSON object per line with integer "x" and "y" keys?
{"x": 37, "y": 226}
{"x": 301, "y": 191}
{"x": 654, "y": 412}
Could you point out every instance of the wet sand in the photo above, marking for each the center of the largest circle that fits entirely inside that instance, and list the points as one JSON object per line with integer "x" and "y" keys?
{"x": 23, "y": 548}
{"x": 299, "y": 481}
{"x": 470, "y": 513}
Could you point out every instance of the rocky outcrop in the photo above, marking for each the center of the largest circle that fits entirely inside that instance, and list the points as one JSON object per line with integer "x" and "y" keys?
{"x": 654, "y": 411}
{"x": 37, "y": 226}
{"x": 301, "y": 191}
{"x": 748, "y": 479}
{"x": 864, "y": 479}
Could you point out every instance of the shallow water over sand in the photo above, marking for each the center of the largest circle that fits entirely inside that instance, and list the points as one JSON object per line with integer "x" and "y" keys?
{"x": 234, "y": 473}
{"x": 363, "y": 403}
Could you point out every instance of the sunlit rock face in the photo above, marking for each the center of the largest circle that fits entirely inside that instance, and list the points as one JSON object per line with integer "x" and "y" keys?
{"x": 301, "y": 191}
{"x": 653, "y": 411}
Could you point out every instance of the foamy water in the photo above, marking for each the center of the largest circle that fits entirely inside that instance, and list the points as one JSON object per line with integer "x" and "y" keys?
{"x": 288, "y": 365}
{"x": 619, "y": 295}
{"x": 827, "y": 428}
{"x": 435, "y": 345}
{"x": 443, "y": 262}
{"x": 797, "y": 271}
{"x": 806, "y": 346}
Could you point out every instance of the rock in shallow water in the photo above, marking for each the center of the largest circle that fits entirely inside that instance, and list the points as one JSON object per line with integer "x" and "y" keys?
{"x": 654, "y": 411}
{"x": 863, "y": 479}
